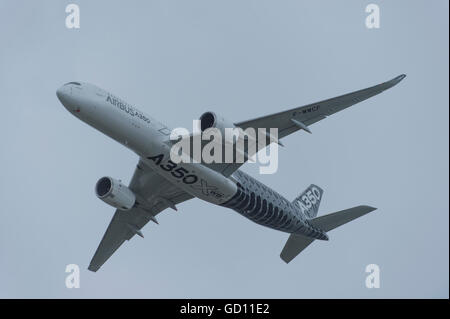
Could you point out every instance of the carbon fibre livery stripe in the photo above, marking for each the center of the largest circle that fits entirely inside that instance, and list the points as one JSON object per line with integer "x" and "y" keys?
{"x": 266, "y": 207}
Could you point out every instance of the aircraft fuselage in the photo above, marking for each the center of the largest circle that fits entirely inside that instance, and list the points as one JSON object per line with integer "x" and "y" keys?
{"x": 149, "y": 139}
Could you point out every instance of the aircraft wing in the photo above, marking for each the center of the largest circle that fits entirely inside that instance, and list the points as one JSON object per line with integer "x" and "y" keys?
{"x": 300, "y": 118}
{"x": 158, "y": 194}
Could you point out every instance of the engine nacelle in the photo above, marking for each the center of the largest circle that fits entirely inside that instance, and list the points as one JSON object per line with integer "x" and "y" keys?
{"x": 212, "y": 120}
{"x": 114, "y": 193}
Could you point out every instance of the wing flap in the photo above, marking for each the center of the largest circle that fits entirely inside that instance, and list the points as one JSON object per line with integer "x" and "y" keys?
{"x": 158, "y": 195}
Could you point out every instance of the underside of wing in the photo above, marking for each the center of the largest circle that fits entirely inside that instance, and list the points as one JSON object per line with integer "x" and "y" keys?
{"x": 300, "y": 118}
{"x": 156, "y": 193}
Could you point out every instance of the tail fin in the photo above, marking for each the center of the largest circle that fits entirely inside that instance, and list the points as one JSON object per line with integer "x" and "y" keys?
{"x": 297, "y": 243}
{"x": 309, "y": 201}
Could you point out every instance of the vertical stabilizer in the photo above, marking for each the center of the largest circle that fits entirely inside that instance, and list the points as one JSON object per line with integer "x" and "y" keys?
{"x": 309, "y": 201}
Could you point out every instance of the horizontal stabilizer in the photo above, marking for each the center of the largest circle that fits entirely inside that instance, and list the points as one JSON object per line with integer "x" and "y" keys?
{"x": 297, "y": 243}
{"x": 331, "y": 221}
{"x": 294, "y": 246}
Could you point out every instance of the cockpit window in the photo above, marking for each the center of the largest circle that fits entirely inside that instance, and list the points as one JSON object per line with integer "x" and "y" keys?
{"x": 75, "y": 83}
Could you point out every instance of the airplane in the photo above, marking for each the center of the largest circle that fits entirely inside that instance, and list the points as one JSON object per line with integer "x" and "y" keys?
{"x": 159, "y": 183}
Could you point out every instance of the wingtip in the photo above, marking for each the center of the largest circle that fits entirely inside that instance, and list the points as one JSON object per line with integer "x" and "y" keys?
{"x": 92, "y": 268}
{"x": 284, "y": 258}
{"x": 369, "y": 208}
{"x": 398, "y": 79}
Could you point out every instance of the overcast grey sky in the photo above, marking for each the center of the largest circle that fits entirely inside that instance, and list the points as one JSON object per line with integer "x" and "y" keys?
{"x": 177, "y": 59}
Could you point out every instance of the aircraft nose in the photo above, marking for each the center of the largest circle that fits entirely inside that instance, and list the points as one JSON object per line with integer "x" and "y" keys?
{"x": 63, "y": 94}
{"x": 67, "y": 97}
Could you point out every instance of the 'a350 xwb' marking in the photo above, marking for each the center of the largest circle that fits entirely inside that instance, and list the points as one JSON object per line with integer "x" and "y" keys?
{"x": 177, "y": 172}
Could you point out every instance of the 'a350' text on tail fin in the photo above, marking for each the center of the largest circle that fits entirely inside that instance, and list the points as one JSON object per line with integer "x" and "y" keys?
{"x": 309, "y": 201}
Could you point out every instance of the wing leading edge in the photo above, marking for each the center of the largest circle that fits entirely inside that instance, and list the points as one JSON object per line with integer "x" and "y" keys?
{"x": 300, "y": 118}
{"x": 158, "y": 195}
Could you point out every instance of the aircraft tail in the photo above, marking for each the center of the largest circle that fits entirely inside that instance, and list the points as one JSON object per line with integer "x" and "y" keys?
{"x": 297, "y": 243}
{"x": 309, "y": 201}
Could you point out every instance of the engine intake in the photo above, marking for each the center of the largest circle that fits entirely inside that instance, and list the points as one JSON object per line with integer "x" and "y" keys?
{"x": 114, "y": 193}
{"x": 212, "y": 120}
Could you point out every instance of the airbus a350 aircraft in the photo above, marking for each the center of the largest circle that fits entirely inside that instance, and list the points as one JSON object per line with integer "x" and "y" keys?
{"x": 158, "y": 183}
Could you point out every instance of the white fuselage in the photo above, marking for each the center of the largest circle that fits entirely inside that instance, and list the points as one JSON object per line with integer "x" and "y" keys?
{"x": 144, "y": 135}
{"x": 150, "y": 140}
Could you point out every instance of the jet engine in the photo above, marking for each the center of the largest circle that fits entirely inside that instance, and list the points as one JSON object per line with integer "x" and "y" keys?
{"x": 212, "y": 120}
{"x": 114, "y": 193}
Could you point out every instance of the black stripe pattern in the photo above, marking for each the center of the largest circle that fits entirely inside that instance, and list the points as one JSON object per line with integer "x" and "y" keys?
{"x": 266, "y": 207}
